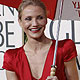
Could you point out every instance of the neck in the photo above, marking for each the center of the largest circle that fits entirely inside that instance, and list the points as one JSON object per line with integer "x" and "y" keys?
{"x": 37, "y": 44}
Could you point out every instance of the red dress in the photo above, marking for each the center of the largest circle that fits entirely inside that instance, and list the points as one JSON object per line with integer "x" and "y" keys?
{"x": 16, "y": 60}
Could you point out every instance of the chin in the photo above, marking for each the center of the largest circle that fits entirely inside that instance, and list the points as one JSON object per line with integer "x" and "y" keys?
{"x": 37, "y": 36}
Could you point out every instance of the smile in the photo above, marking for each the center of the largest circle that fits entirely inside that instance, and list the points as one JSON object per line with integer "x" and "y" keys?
{"x": 35, "y": 29}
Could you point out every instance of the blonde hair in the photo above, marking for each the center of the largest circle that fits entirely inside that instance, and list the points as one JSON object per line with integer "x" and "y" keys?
{"x": 26, "y": 3}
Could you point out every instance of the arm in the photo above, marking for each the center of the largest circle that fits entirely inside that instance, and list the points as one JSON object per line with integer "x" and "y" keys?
{"x": 71, "y": 70}
{"x": 11, "y": 75}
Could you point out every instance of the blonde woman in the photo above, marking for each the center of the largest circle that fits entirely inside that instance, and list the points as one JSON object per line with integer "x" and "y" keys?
{"x": 33, "y": 60}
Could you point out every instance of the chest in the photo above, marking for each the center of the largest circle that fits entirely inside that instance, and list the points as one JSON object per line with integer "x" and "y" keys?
{"x": 37, "y": 63}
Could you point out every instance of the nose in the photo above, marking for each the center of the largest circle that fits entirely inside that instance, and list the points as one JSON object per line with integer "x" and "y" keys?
{"x": 34, "y": 22}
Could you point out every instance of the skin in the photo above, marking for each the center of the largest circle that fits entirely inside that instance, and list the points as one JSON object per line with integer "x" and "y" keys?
{"x": 34, "y": 18}
{"x": 11, "y": 75}
{"x": 71, "y": 70}
{"x": 33, "y": 22}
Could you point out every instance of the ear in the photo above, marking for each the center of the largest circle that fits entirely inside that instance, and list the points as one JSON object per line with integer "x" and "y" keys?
{"x": 46, "y": 20}
{"x": 20, "y": 22}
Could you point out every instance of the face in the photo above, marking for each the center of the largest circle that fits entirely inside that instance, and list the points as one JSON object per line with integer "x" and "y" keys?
{"x": 33, "y": 21}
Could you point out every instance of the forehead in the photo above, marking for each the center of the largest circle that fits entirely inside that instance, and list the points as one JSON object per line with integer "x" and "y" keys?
{"x": 33, "y": 10}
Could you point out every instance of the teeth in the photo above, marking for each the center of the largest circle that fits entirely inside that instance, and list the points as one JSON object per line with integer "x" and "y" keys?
{"x": 35, "y": 29}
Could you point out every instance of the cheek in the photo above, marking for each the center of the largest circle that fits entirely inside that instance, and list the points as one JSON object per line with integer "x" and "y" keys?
{"x": 26, "y": 25}
{"x": 43, "y": 22}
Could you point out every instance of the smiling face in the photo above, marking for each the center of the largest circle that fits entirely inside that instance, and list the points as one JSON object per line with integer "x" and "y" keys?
{"x": 33, "y": 21}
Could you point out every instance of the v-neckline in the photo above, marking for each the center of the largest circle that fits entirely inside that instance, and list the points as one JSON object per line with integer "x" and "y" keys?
{"x": 47, "y": 64}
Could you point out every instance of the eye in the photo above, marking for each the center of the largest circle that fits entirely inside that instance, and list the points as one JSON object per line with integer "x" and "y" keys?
{"x": 40, "y": 17}
{"x": 28, "y": 18}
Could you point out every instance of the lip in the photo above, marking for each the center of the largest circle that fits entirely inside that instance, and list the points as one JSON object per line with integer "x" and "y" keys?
{"x": 35, "y": 30}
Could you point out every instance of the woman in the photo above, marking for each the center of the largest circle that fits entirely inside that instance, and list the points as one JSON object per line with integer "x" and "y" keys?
{"x": 33, "y": 60}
